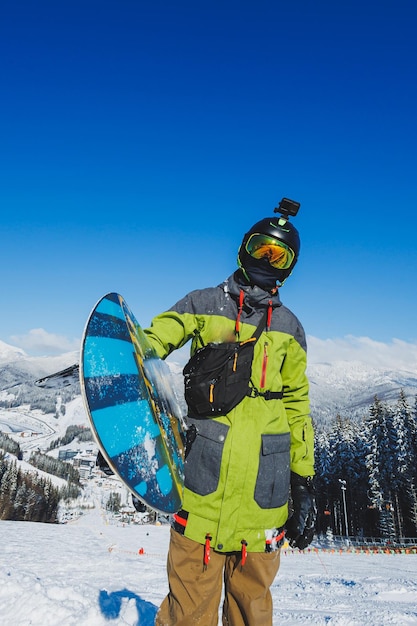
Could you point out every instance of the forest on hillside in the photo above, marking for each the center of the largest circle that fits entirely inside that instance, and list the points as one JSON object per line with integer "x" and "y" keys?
{"x": 27, "y": 495}
{"x": 366, "y": 474}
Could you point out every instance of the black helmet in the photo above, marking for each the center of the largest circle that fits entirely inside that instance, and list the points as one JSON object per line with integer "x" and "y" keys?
{"x": 259, "y": 268}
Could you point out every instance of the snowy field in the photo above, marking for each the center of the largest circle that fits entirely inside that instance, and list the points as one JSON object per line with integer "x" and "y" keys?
{"x": 91, "y": 572}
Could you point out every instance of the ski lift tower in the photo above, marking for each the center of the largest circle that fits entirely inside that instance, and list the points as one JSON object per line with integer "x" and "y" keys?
{"x": 343, "y": 488}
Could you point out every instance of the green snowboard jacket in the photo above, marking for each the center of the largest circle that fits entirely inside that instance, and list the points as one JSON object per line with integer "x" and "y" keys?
{"x": 237, "y": 473}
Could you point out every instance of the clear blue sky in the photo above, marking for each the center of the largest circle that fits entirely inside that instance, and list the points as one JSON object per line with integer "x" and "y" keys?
{"x": 140, "y": 140}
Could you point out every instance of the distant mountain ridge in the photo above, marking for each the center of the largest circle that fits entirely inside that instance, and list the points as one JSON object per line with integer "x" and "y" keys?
{"x": 18, "y": 373}
{"x": 345, "y": 388}
{"x": 348, "y": 388}
{"x": 12, "y": 357}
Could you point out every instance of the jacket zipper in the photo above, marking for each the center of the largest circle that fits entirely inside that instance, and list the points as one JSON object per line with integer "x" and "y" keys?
{"x": 239, "y": 312}
{"x": 265, "y": 356}
{"x": 264, "y": 366}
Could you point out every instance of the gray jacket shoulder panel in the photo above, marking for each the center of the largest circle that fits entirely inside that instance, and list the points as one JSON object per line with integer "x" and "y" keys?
{"x": 284, "y": 320}
{"x": 209, "y": 301}
{"x": 223, "y": 300}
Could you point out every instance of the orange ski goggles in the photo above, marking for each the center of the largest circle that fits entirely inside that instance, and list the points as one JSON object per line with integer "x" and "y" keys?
{"x": 275, "y": 251}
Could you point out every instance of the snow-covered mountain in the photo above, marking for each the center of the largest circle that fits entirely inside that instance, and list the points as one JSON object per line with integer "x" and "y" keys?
{"x": 17, "y": 367}
{"x": 27, "y": 408}
{"x": 346, "y": 388}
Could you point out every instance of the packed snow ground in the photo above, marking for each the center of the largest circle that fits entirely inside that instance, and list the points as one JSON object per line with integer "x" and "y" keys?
{"x": 95, "y": 572}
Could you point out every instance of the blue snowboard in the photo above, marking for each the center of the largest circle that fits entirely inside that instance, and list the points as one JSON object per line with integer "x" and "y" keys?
{"x": 132, "y": 406}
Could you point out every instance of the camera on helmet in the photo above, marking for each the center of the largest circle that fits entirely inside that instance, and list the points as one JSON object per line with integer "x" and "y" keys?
{"x": 287, "y": 207}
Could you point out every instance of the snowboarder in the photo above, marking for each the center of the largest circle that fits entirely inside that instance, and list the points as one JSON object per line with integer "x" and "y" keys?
{"x": 240, "y": 465}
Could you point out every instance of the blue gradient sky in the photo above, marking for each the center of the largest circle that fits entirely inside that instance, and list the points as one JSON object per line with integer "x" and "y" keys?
{"x": 140, "y": 140}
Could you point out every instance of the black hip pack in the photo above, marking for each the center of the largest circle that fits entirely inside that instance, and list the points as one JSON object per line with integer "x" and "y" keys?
{"x": 217, "y": 376}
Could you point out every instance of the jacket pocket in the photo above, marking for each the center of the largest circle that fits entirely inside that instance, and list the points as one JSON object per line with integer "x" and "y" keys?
{"x": 273, "y": 480}
{"x": 203, "y": 462}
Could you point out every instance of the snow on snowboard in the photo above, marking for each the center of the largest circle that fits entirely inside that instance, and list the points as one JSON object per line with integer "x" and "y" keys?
{"x": 131, "y": 403}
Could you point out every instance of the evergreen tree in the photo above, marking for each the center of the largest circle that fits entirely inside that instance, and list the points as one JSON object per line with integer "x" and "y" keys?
{"x": 25, "y": 496}
{"x": 31, "y": 505}
{"x": 404, "y": 484}
{"x": 113, "y": 503}
{"x": 340, "y": 456}
{"x": 9, "y": 445}
{"x": 413, "y": 435}
{"x": 54, "y": 466}
{"x": 381, "y": 465}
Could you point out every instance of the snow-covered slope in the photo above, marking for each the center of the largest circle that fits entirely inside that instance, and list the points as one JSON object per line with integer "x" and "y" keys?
{"x": 97, "y": 572}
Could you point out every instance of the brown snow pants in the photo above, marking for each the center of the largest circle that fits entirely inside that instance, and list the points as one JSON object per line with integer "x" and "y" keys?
{"x": 195, "y": 592}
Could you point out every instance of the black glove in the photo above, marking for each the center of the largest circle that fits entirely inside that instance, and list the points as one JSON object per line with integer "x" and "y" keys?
{"x": 300, "y": 526}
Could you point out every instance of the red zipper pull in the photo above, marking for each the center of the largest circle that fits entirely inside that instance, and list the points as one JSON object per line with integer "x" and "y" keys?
{"x": 264, "y": 365}
{"x": 269, "y": 318}
{"x": 239, "y": 313}
{"x": 265, "y": 357}
{"x": 207, "y": 550}
{"x": 244, "y": 552}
